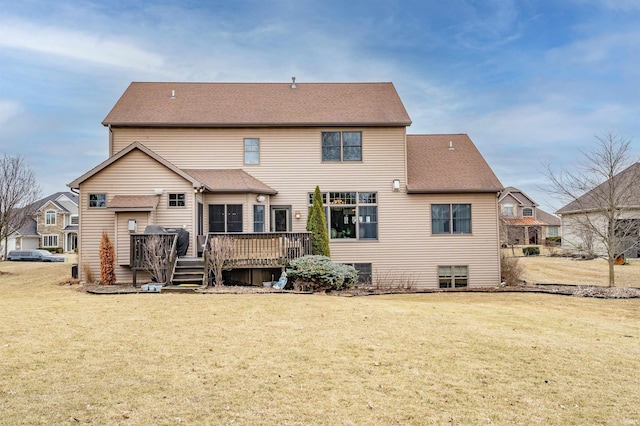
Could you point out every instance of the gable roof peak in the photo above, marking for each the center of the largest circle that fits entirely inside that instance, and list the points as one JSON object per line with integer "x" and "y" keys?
{"x": 180, "y": 104}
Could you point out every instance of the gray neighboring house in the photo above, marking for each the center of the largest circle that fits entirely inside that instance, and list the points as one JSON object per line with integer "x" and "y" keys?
{"x": 525, "y": 223}
{"x": 591, "y": 204}
{"x": 53, "y": 226}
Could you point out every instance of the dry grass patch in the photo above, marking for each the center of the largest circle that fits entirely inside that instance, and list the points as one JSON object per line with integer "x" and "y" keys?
{"x": 564, "y": 270}
{"x": 67, "y": 357}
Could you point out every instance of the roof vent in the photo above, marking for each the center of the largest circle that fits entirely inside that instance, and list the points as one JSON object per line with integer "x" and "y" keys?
{"x": 451, "y": 148}
{"x": 293, "y": 82}
{"x": 173, "y": 94}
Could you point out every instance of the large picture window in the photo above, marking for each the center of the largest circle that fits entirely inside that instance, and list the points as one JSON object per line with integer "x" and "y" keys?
{"x": 341, "y": 146}
{"x": 451, "y": 218}
{"x": 351, "y": 215}
{"x": 225, "y": 218}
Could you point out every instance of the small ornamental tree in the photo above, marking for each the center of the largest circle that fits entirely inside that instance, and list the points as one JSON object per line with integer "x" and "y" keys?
{"x": 219, "y": 251}
{"x": 107, "y": 261}
{"x": 317, "y": 225}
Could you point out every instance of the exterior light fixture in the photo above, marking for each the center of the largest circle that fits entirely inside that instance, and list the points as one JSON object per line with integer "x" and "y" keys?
{"x": 396, "y": 184}
{"x": 297, "y": 214}
{"x": 260, "y": 198}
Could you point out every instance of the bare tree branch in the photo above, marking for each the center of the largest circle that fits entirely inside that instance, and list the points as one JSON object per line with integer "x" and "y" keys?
{"x": 19, "y": 190}
{"x": 601, "y": 194}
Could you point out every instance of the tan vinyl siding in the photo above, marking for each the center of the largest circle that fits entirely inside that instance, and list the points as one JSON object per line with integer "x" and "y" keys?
{"x": 134, "y": 174}
{"x": 290, "y": 162}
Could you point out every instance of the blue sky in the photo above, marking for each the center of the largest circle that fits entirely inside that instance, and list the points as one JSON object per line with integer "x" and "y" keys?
{"x": 530, "y": 81}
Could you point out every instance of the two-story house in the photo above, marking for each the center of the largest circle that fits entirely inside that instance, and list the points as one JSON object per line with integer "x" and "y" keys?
{"x": 53, "y": 226}
{"x": 523, "y": 221}
{"x": 245, "y": 158}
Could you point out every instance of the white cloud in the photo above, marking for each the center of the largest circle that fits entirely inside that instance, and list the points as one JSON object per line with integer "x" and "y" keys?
{"x": 77, "y": 45}
{"x": 9, "y": 109}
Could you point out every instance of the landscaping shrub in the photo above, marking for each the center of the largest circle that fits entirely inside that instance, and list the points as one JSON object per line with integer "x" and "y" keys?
{"x": 554, "y": 241}
{"x": 511, "y": 270}
{"x": 107, "y": 261}
{"x": 317, "y": 225}
{"x": 319, "y": 273}
{"x": 531, "y": 251}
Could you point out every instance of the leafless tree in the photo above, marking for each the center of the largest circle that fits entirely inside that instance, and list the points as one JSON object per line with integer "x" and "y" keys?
{"x": 218, "y": 252}
{"x": 601, "y": 193}
{"x": 155, "y": 255}
{"x": 19, "y": 191}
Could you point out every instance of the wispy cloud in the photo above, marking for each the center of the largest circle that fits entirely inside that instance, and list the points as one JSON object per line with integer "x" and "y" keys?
{"x": 8, "y": 110}
{"x": 100, "y": 49}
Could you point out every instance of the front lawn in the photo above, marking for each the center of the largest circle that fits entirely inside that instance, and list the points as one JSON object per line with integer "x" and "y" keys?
{"x": 68, "y": 357}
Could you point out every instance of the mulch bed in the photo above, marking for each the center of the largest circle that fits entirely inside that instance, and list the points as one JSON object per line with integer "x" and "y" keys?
{"x": 561, "y": 289}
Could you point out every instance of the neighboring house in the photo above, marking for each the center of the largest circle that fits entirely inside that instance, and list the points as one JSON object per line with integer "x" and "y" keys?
{"x": 589, "y": 207}
{"x": 523, "y": 221}
{"x": 244, "y": 159}
{"x": 54, "y": 225}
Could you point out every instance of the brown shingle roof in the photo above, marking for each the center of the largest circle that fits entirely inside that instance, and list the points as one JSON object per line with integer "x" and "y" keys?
{"x": 434, "y": 168}
{"x": 134, "y": 202}
{"x": 258, "y": 104}
{"x": 626, "y": 188}
{"x": 547, "y": 218}
{"x": 231, "y": 180}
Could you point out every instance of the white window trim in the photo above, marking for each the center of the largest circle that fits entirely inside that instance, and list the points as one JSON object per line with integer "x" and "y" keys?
{"x": 50, "y": 236}
{"x": 55, "y": 219}
{"x": 245, "y": 152}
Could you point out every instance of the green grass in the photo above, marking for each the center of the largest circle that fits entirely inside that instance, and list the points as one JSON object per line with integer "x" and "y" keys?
{"x": 67, "y": 357}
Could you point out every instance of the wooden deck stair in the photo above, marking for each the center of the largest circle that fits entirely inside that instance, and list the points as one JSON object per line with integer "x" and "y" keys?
{"x": 189, "y": 274}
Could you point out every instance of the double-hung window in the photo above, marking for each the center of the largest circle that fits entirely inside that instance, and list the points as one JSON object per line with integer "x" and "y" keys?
{"x": 258, "y": 218}
{"x": 451, "y": 218}
{"x": 341, "y": 146}
{"x": 251, "y": 151}
{"x": 50, "y": 217}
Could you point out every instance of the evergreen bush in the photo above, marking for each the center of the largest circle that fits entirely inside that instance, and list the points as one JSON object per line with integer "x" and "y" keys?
{"x": 319, "y": 273}
{"x": 317, "y": 225}
{"x": 531, "y": 251}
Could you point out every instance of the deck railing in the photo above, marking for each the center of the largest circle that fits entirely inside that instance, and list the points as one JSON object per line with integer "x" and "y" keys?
{"x": 264, "y": 249}
{"x": 168, "y": 253}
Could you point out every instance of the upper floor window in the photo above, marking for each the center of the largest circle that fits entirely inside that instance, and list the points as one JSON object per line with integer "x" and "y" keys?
{"x": 552, "y": 231}
{"x": 74, "y": 219}
{"x": 97, "y": 200}
{"x": 527, "y": 212}
{"x": 341, "y": 146}
{"x": 507, "y": 210}
{"x": 50, "y": 217}
{"x": 351, "y": 215}
{"x": 251, "y": 151}
{"x": 177, "y": 200}
{"x": 451, "y": 218}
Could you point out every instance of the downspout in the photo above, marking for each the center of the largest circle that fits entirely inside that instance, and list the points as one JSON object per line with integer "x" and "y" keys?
{"x": 110, "y": 140}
